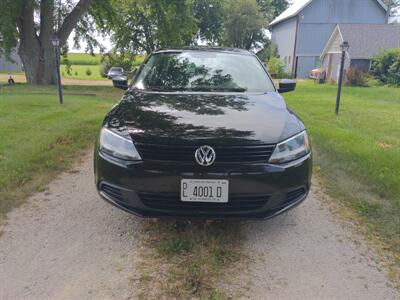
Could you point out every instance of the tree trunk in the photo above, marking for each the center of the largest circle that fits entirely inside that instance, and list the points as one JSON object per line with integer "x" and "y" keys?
{"x": 35, "y": 48}
{"x": 36, "y": 52}
{"x": 38, "y": 62}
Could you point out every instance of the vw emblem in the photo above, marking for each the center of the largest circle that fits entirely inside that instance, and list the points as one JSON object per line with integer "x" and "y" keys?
{"x": 205, "y": 156}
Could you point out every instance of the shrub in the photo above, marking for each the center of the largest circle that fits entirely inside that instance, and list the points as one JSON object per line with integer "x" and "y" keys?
{"x": 386, "y": 66}
{"x": 356, "y": 77}
{"x": 372, "y": 81}
{"x": 104, "y": 67}
{"x": 270, "y": 50}
{"x": 68, "y": 69}
{"x": 88, "y": 72}
{"x": 276, "y": 67}
{"x": 76, "y": 73}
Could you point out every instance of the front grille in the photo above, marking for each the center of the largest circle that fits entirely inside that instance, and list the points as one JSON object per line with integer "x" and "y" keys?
{"x": 171, "y": 201}
{"x": 113, "y": 192}
{"x": 224, "y": 154}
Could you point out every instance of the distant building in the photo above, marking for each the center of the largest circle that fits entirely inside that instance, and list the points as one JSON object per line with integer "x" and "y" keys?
{"x": 366, "y": 40}
{"x": 13, "y": 65}
{"x": 302, "y": 31}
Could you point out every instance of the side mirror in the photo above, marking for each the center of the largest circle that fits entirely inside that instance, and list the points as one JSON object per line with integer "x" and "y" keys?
{"x": 120, "y": 82}
{"x": 286, "y": 85}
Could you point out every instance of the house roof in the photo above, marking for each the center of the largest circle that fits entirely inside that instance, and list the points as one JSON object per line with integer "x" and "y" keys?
{"x": 366, "y": 40}
{"x": 297, "y": 6}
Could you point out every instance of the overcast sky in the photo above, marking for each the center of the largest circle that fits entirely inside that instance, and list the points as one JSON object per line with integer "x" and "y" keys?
{"x": 105, "y": 41}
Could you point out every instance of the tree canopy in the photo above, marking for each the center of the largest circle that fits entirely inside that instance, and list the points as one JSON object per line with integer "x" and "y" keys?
{"x": 145, "y": 25}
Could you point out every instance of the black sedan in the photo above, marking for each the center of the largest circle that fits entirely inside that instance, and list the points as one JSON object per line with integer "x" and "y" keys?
{"x": 203, "y": 132}
{"x": 115, "y": 71}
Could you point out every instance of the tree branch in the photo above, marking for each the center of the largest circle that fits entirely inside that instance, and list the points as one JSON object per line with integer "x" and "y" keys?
{"x": 26, "y": 23}
{"x": 71, "y": 20}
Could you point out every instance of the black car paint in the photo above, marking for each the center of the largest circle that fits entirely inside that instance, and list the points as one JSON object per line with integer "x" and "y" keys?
{"x": 198, "y": 118}
{"x": 217, "y": 118}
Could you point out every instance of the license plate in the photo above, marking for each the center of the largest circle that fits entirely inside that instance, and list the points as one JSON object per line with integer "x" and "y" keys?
{"x": 204, "y": 190}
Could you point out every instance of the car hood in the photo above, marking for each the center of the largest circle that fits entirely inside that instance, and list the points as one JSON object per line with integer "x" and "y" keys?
{"x": 214, "y": 118}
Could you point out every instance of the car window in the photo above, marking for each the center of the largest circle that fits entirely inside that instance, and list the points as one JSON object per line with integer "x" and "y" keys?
{"x": 204, "y": 71}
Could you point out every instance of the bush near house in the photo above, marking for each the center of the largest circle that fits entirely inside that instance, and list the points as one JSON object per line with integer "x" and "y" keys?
{"x": 356, "y": 77}
{"x": 276, "y": 67}
{"x": 386, "y": 66}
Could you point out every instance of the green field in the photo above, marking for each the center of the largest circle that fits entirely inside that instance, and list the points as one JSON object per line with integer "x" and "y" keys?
{"x": 82, "y": 59}
{"x": 358, "y": 152}
{"x": 79, "y": 72}
{"x": 80, "y": 63}
{"x": 40, "y": 138}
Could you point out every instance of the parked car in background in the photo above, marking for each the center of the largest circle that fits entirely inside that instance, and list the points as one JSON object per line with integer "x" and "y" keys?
{"x": 115, "y": 71}
{"x": 203, "y": 132}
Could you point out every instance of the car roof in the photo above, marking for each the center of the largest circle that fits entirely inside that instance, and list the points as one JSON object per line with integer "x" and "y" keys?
{"x": 205, "y": 48}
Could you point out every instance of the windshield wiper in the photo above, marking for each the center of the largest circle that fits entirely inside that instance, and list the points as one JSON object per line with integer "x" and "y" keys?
{"x": 195, "y": 89}
{"x": 238, "y": 89}
{"x": 218, "y": 89}
{"x": 164, "y": 89}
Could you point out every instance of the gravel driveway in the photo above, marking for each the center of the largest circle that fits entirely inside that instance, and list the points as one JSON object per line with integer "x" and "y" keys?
{"x": 66, "y": 243}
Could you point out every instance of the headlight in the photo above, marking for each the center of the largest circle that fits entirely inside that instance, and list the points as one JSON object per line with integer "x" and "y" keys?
{"x": 291, "y": 149}
{"x": 117, "y": 145}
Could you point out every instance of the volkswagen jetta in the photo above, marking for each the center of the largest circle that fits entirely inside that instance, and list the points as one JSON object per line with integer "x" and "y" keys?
{"x": 203, "y": 132}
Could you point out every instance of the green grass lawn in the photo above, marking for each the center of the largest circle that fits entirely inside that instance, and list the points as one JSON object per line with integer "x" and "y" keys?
{"x": 358, "y": 152}
{"x": 11, "y": 72}
{"x": 40, "y": 138}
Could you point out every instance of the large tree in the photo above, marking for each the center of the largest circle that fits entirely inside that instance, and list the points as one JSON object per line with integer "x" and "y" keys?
{"x": 146, "y": 25}
{"x": 29, "y": 25}
{"x": 243, "y": 24}
{"x": 209, "y": 18}
{"x": 246, "y": 20}
{"x": 272, "y": 8}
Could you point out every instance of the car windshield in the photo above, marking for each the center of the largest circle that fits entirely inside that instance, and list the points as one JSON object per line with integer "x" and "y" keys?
{"x": 207, "y": 71}
{"x": 116, "y": 69}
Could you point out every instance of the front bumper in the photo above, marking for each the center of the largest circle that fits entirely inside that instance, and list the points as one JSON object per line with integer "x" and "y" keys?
{"x": 152, "y": 189}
